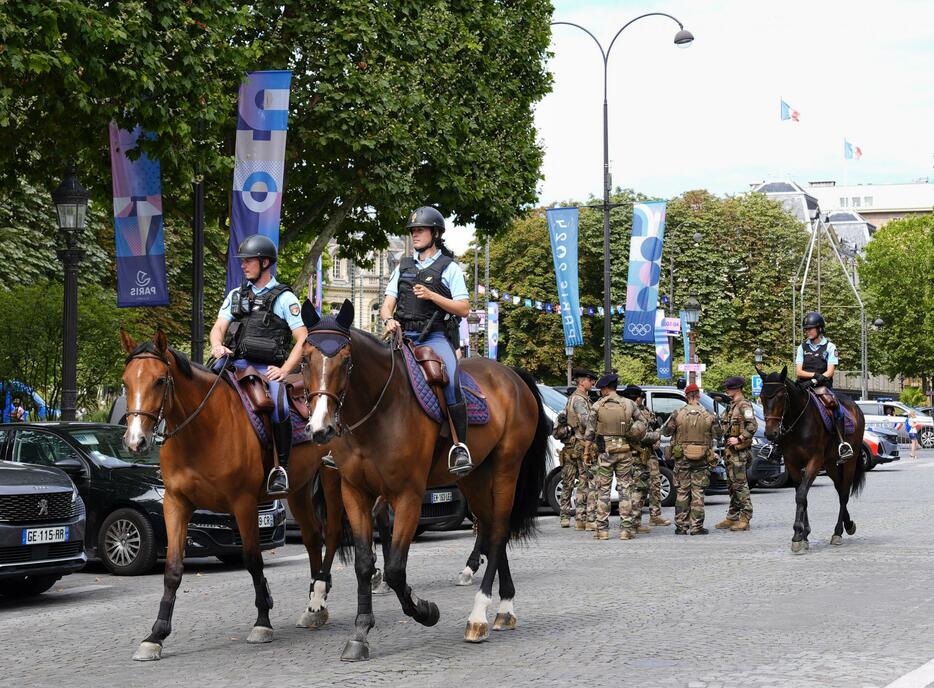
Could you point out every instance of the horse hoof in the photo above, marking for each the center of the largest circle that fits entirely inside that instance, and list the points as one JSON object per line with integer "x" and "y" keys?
{"x": 476, "y": 632}
{"x": 355, "y": 651}
{"x": 797, "y": 547}
{"x": 433, "y": 615}
{"x": 382, "y": 589}
{"x": 466, "y": 577}
{"x": 807, "y": 545}
{"x": 260, "y": 634}
{"x": 310, "y": 619}
{"x": 836, "y": 539}
{"x": 505, "y": 622}
{"x": 148, "y": 652}
{"x": 850, "y": 527}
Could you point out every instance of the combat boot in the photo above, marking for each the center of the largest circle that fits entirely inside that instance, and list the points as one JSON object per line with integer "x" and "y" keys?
{"x": 565, "y": 522}
{"x": 626, "y": 535}
{"x": 591, "y": 525}
{"x": 680, "y": 531}
{"x": 726, "y": 524}
{"x": 580, "y": 525}
{"x": 643, "y": 529}
{"x": 741, "y": 524}
{"x": 601, "y": 535}
{"x": 700, "y": 531}
{"x": 659, "y": 521}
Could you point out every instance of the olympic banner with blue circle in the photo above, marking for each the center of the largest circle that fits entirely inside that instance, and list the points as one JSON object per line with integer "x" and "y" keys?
{"x": 663, "y": 357}
{"x": 562, "y": 228}
{"x": 262, "y": 124}
{"x": 645, "y": 254}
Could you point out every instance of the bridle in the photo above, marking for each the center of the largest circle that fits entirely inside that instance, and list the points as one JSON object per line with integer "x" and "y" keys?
{"x": 157, "y": 418}
{"x": 783, "y": 431}
{"x": 339, "y": 399}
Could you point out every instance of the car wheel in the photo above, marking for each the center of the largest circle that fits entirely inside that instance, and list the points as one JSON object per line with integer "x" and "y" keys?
{"x": 775, "y": 481}
{"x": 231, "y": 559}
{"x": 420, "y": 529}
{"x": 553, "y": 492}
{"x": 126, "y": 543}
{"x": 667, "y": 494}
{"x": 27, "y": 586}
{"x": 868, "y": 462}
{"x": 926, "y": 438}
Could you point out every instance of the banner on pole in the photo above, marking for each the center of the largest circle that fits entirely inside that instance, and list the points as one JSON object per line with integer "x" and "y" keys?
{"x": 685, "y": 330}
{"x": 662, "y": 350}
{"x": 562, "y": 229}
{"x": 262, "y": 124}
{"x": 645, "y": 253}
{"x": 138, "y": 231}
{"x": 492, "y": 329}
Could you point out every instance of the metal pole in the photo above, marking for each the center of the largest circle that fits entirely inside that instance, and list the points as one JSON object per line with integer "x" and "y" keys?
{"x": 197, "y": 272}
{"x": 607, "y": 328}
{"x": 819, "y": 229}
{"x": 486, "y": 283}
{"x": 70, "y": 258}
{"x": 570, "y": 354}
{"x": 475, "y": 339}
{"x": 353, "y": 285}
{"x": 692, "y": 375}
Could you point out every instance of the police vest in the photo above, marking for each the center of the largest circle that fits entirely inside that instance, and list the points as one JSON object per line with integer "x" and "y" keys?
{"x": 257, "y": 334}
{"x": 414, "y": 313}
{"x": 614, "y": 416}
{"x": 815, "y": 361}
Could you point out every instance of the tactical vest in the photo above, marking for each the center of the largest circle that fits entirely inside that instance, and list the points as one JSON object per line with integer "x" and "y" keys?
{"x": 414, "y": 313}
{"x": 736, "y": 420}
{"x": 574, "y": 420}
{"x": 815, "y": 361}
{"x": 614, "y": 417}
{"x": 257, "y": 334}
{"x": 693, "y": 426}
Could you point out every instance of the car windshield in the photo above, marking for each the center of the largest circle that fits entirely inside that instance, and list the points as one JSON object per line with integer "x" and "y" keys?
{"x": 106, "y": 446}
{"x": 553, "y": 399}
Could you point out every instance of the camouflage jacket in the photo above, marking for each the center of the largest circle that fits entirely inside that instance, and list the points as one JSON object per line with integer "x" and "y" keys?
{"x": 741, "y": 423}
{"x": 578, "y": 412}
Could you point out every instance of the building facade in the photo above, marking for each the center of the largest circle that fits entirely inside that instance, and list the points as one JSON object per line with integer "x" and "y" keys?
{"x": 876, "y": 203}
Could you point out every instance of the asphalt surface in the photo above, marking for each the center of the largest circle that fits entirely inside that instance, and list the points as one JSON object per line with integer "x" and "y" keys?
{"x": 727, "y": 609}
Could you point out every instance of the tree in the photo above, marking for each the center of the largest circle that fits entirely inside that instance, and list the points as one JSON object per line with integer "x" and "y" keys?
{"x": 897, "y": 275}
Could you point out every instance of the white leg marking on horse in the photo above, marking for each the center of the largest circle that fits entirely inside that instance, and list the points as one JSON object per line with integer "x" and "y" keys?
{"x": 481, "y": 603}
{"x": 466, "y": 577}
{"x": 317, "y": 599}
{"x": 505, "y": 607}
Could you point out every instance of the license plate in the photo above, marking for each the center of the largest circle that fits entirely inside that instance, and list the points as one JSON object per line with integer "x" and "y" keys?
{"x": 42, "y": 536}
{"x": 439, "y": 497}
{"x": 267, "y": 520}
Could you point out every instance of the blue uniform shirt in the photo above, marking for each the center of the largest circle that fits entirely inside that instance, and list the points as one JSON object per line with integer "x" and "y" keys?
{"x": 286, "y": 306}
{"x": 452, "y": 278}
{"x": 830, "y": 355}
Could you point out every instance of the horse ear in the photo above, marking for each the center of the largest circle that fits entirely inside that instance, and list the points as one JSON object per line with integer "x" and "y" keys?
{"x": 309, "y": 314}
{"x": 162, "y": 344}
{"x": 129, "y": 345}
{"x": 759, "y": 371}
{"x": 345, "y": 315}
{"x": 784, "y": 372}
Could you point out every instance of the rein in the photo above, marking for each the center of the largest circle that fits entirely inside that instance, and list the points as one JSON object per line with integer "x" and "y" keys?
{"x": 783, "y": 431}
{"x": 157, "y": 418}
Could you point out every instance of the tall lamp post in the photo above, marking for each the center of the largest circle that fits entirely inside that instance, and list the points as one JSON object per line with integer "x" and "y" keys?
{"x": 692, "y": 309}
{"x": 759, "y": 354}
{"x": 71, "y": 205}
{"x": 682, "y": 39}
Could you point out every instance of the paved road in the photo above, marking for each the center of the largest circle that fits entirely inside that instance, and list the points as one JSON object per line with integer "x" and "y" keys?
{"x": 728, "y": 609}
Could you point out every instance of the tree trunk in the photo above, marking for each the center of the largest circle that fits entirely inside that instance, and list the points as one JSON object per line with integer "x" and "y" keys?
{"x": 321, "y": 242}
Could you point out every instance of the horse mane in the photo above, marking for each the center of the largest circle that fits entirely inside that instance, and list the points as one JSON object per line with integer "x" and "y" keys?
{"x": 181, "y": 360}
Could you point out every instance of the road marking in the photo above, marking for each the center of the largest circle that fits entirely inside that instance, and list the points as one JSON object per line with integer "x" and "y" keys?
{"x": 81, "y": 588}
{"x": 918, "y": 678}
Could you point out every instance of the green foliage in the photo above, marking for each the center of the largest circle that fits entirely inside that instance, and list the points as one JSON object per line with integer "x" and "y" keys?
{"x": 723, "y": 368}
{"x": 633, "y": 370}
{"x": 913, "y": 396}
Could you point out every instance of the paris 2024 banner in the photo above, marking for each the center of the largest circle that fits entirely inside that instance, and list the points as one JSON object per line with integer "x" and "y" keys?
{"x": 645, "y": 254}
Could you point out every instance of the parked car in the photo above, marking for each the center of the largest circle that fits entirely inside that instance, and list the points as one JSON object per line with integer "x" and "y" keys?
{"x": 42, "y": 524}
{"x": 893, "y": 414}
{"x": 880, "y": 445}
{"x": 124, "y": 496}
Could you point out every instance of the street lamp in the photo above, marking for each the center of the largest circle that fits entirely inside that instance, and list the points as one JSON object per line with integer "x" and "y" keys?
{"x": 682, "y": 39}
{"x": 759, "y": 353}
{"x": 71, "y": 205}
{"x": 692, "y": 309}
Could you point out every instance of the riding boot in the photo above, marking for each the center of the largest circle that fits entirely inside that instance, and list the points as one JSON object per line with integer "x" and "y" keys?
{"x": 844, "y": 450}
{"x": 277, "y": 484}
{"x": 459, "y": 462}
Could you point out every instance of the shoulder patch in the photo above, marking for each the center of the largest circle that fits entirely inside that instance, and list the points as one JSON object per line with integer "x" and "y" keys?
{"x": 295, "y": 309}
{"x": 747, "y": 413}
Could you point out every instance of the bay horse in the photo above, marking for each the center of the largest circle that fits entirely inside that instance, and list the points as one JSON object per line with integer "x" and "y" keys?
{"x": 212, "y": 459}
{"x": 391, "y": 448}
{"x": 793, "y": 421}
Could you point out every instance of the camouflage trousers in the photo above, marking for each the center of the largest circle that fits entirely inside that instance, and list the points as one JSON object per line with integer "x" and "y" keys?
{"x": 639, "y": 492}
{"x": 692, "y": 478}
{"x": 571, "y": 474}
{"x": 740, "y": 500}
{"x": 587, "y": 489}
{"x": 655, "y": 486}
{"x": 616, "y": 461}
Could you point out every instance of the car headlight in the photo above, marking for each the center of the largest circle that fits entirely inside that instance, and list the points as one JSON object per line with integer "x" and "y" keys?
{"x": 74, "y": 494}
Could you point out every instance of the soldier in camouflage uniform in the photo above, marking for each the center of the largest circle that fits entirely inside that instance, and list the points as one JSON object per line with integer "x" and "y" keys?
{"x": 652, "y": 491}
{"x": 693, "y": 430}
{"x": 741, "y": 427}
{"x": 614, "y": 425}
{"x": 576, "y": 414}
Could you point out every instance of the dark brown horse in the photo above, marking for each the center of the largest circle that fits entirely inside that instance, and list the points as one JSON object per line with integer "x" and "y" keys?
{"x": 390, "y": 447}
{"x": 794, "y": 422}
{"x": 216, "y": 462}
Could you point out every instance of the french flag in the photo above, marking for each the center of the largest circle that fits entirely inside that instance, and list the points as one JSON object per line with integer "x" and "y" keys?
{"x": 851, "y": 152}
{"x": 789, "y": 113}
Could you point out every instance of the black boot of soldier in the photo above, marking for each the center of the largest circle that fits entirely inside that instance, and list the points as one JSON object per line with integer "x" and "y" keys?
{"x": 459, "y": 462}
{"x": 277, "y": 484}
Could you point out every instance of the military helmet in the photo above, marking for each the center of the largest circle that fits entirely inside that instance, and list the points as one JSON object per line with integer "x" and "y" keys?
{"x": 426, "y": 216}
{"x": 257, "y": 246}
{"x": 813, "y": 319}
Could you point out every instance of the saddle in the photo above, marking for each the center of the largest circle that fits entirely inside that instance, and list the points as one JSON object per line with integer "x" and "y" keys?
{"x": 827, "y": 398}
{"x": 255, "y": 389}
{"x": 428, "y": 376}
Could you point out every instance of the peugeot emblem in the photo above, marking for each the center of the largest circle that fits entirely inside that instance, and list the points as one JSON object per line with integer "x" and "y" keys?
{"x": 43, "y": 505}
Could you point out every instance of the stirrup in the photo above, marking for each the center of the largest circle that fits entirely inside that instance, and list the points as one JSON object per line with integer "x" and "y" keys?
{"x": 327, "y": 461}
{"x": 766, "y": 452}
{"x": 845, "y": 451}
{"x": 457, "y": 468}
{"x": 269, "y": 480}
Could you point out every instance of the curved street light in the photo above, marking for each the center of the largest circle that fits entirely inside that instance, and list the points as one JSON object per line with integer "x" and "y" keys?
{"x": 683, "y": 38}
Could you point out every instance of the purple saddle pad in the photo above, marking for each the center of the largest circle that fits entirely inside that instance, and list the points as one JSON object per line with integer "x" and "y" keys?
{"x": 849, "y": 422}
{"x": 478, "y": 412}
{"x": 299, "y": 436}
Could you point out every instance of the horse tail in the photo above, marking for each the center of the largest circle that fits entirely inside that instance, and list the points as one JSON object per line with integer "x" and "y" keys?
{"x": 859, "y": 476}
{"x": 532, "y": 472}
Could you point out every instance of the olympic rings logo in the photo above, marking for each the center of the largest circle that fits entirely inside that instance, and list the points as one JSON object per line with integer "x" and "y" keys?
{"x": 640, "y": 329}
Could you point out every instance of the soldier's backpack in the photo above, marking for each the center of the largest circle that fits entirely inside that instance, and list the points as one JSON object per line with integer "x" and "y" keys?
{"x": 694, "y": 432}
{"x": 614, "y": 419}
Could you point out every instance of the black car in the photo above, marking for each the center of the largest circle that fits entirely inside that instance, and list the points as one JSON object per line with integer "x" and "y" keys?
{"x": 124, "y": 496}
{"x": 42, "y": 521}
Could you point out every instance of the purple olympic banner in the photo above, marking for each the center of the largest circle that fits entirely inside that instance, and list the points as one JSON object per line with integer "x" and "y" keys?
{"x": 662, "y": 349}
{"x": 645, "y": 253}
{"x": 140, "y": 242}
{"x": 262, "y": 125}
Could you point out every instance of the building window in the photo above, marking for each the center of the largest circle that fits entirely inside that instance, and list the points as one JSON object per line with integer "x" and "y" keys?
{"x": 867, "y": 201}
{"x": 855, "y": 200}
{"x": 842, "y": 202}
{"x": 336, "y": 268}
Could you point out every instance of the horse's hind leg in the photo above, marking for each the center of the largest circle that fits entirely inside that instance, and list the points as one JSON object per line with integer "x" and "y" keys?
{"x": 301, "y": 504}
{"x": 245, "y": 512}
{"x": 843, "y": 516}
{"x": 384, "y": 528}
{"x": 407, "y": 511}
{"x": 473, "y": 561}
{"x": 177, "y": 511}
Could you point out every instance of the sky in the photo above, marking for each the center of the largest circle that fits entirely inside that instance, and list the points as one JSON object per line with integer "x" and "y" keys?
{"x": 708, "y": 116}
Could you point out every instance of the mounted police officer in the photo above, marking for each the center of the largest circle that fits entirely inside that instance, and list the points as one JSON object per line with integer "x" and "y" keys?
{"x": 741, "y": 426}
{"x": 647, "y": 448}
{"x": 260, "y": 324}
{"x": 426, "y": 297}
{"x": 815, "y": 363}
{"x": 575, "y": 416}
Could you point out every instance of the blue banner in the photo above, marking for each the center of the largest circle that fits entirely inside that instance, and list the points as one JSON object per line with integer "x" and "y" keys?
{"x": 492, "y": 329}
{"x": 262, "y": 125}
{"x": 140, "y": 242}
{"x": 645, "y": 253}
{"x": 662, "y": 350}
{"x": 685, "y": 328}
{"x": 562, "y": 229}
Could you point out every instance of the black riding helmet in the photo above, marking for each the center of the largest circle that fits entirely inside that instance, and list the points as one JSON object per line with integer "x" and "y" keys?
{"x": 813, "y": 319}
{"x": 426, "y": 216}
{"x": 258, "y": 246}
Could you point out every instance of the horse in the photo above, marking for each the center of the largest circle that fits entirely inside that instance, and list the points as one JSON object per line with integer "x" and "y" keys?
{"x": 391, "y": 448}
{"x": 793, "y": 421}
{"x": 212, "y": 459}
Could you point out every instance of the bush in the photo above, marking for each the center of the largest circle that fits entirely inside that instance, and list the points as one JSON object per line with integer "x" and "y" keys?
{"x": 913, "y": 396}
{"x": 722, "y": 368}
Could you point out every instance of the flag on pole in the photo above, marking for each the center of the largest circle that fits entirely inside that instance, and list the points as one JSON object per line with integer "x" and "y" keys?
{"x": 789, "y": 112}
{"x": 645, "y": 253}
{"x": 851, "y": 152}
